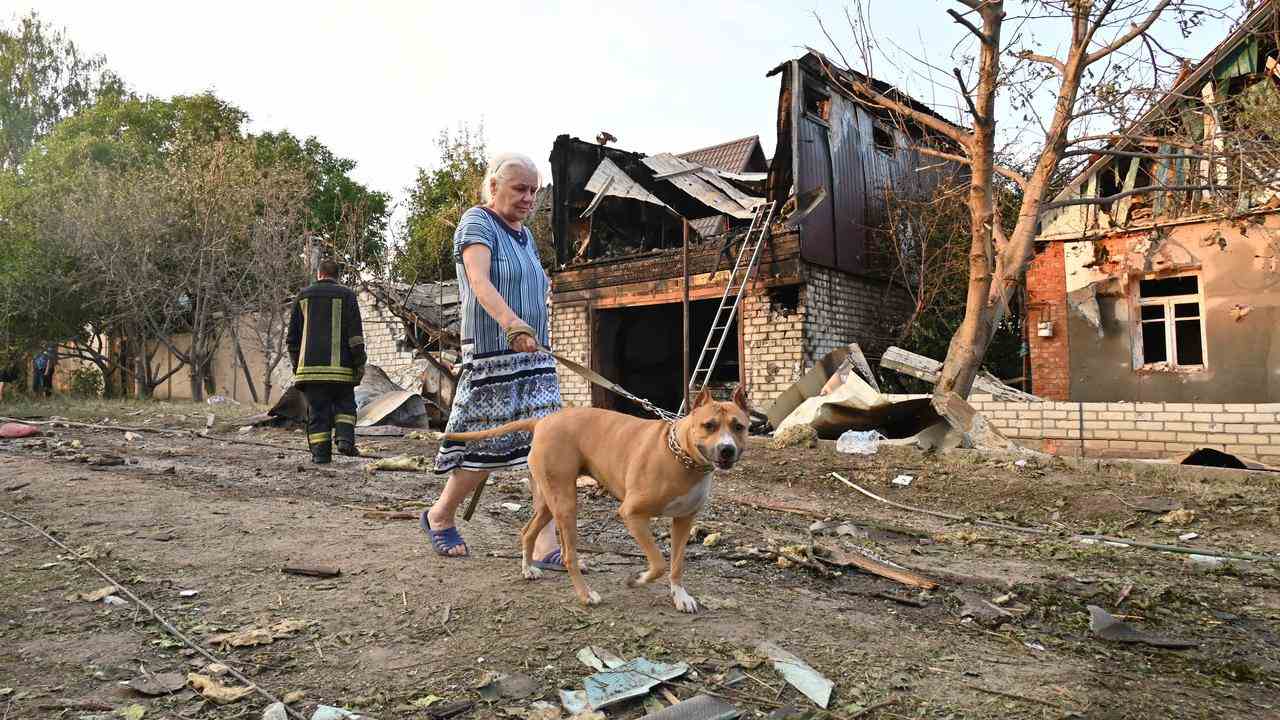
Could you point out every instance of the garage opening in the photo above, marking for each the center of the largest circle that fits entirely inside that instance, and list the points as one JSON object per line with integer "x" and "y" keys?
{"x": 639, "y": 348}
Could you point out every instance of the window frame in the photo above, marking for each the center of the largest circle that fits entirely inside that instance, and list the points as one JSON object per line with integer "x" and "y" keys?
{"x": 1170, "y": 320}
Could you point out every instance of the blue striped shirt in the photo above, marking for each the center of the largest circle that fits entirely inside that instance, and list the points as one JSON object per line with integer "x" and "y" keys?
{"x": 514, "y": 269}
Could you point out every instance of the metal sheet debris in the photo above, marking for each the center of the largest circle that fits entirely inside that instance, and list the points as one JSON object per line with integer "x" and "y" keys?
{"x": 1108, "y": 627}
{"x": 634, "y": 678}
{"x": 609, "y": 180}
{"x": 928, "y": 369}
{"x": 800, "y": 676}
{"x": 699, "y": 707}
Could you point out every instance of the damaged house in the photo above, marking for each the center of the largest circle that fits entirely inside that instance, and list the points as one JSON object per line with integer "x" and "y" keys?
{"x": 1172, "y": 295}
{"x": 618, "y": 220}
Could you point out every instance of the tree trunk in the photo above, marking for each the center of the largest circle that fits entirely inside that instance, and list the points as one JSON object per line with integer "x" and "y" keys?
{"x": 969, "y": 344}
{"x": 197, "y": 379}
{"x": 244, "y": 366}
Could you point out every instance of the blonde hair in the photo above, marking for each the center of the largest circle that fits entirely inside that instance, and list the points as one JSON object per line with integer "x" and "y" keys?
{"x": 499, "y": 168}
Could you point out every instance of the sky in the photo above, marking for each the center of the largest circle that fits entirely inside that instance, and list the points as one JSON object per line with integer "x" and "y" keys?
{"x": 377, "y": 81}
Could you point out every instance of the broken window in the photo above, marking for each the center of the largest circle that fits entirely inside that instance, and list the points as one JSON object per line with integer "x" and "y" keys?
{"x": 1170, "y": 313}
{"x": 817, "y": 102}
{"x": 883, "y": 138}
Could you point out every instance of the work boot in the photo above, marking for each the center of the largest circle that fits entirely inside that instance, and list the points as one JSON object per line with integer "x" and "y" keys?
{"x": 345, "y": 435}
{"x": 322, "y": 453}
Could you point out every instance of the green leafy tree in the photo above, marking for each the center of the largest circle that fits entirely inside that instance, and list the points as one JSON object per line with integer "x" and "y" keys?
{"x": 44, "y": 78}
{"x": 347, "y": 220}
{"x": 436, "y": 202}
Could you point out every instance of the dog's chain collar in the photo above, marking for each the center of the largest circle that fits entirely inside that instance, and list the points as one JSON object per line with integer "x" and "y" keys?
{"x": 685, "y": 458}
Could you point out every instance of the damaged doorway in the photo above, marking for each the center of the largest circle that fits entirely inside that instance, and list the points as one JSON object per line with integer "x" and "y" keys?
{"x": 639, "y": 348}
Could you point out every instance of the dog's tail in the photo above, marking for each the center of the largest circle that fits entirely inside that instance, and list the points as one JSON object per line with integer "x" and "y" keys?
{"x": 507, "y": 429}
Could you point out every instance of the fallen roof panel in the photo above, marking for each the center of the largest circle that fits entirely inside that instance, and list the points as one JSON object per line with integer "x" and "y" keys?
{"x": 705, "y": 186}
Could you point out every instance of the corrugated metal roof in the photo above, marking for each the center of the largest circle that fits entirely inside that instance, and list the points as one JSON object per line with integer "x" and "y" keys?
{"x": 710, "y": 189}
{"x": 609, "y": 179}
{"x": 732, "y": 156}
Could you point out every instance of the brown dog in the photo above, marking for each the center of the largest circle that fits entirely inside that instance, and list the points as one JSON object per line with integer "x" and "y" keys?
{"x": 654, "y": 468}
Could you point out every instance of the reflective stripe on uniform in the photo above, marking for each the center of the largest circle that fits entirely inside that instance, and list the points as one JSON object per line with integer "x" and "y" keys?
{"x": 344, "y": 419}
{"x": 335, "y": 334}
{"x": 306, "y": 322}
{"x": 318, "y": 438}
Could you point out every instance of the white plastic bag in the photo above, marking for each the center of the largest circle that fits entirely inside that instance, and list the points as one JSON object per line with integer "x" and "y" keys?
{"x": 859, "y": 442}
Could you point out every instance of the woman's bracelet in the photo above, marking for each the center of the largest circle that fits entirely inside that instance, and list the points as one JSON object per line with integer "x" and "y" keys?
{"x": 520, "y": 329}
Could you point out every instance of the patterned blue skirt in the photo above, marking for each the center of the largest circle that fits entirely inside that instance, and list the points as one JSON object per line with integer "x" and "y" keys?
{"x": 495, "y": 389}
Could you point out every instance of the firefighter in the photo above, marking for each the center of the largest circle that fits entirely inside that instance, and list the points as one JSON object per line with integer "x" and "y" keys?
{"x": 326, "y": 347}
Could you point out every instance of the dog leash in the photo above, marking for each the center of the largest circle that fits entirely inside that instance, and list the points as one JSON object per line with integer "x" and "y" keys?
{"x": 594, "y": 378}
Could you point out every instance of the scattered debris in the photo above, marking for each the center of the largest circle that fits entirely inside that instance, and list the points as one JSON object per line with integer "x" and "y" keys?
{"x": 215, "y": 691}
{"x": 256, "y": 635}
{"x": 1208, "y": 457}
{"x": 405, "y": 463}
{"x": 311, "y": 571}
{"x": 511, "y": 506}
{"x": 328, "y": 712}
{"x": 634, "y": 678}
{"x": 698, "y": 707}
{"x": 1188, "y": 536}
{"x": 275, "y": 711}
{"x": 1205, "y": 562}
{"x": 597, "y": 658}
{"x": 542, "y": 710}
{"x": 1238, "y": 311}
{"x": 389, "y": 515}
{"x": 188, "y": 593}
{"x": 162, "y": 684}
{"x": 94, "y": 596}
{"x": 1108, "y": 627}
{"x": 862, "y": 560}
{"x": 1178, "y": 517}
{"x": 984, "y": 613}
{"x": 711, "y": 540}
{"x": 799, "y": 675}
{"x": 903, "y": 480}
{"x": 132, "y": 437}
{"x": 105, "y": 460}
{"x": 855, "y": 442}
{"x": 132, "y": 712}
{"x": 13, "y": 431}
{"x": 795, "y": 436}
{"x": 113, "y": 600}
{"x": 929, "y": 370}
{"x": 508, "y": 687}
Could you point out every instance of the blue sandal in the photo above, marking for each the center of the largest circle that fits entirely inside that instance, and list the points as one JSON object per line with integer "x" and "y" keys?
{"x": 442, "y": 541}
{"x": 553, "y": 561}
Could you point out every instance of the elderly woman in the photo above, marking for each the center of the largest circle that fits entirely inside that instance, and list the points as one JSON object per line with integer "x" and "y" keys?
{"x": 506, "y": 376}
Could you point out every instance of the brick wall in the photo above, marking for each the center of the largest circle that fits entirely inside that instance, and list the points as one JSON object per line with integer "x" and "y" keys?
{"x": 1047, "y": 300}
{"x": 571, "y": 337}
{"x": 774, "y": 346}
{"x": 382, "y": 332}
{"x": 842, "y": 308}
{"x": 1124, "y": 429}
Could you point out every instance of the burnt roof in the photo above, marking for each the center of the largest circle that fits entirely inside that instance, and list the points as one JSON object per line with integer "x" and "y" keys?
{"x": 732, "y": 156}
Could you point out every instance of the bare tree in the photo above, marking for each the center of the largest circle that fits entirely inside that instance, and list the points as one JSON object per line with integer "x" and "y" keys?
{"x": 1110, "y": 70}
{"x": 278, "y": 246}
{"x": 113, "y": 229}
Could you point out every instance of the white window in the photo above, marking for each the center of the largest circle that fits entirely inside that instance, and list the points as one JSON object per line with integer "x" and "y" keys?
{"x": 1171, "y": 324}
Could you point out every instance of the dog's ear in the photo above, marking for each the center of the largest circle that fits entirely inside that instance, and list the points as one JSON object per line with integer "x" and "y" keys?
{"x": 703, "y": 398}
{"x": 740, "y": 397}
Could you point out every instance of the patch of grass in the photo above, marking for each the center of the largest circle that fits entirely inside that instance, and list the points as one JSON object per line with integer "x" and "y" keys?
{"x": 126, "y": 411}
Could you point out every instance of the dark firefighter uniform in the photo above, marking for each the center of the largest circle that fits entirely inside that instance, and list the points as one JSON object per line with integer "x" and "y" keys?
{"x": 326, "y": 346}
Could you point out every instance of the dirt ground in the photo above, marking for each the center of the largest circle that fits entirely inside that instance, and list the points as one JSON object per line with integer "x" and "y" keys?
{"x": 402, "y": 633}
